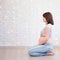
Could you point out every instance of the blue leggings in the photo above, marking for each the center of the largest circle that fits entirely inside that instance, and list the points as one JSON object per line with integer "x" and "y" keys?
{"x": 40, "y": 50}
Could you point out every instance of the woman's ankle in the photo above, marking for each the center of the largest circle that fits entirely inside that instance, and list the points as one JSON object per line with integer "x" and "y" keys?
{"x": 50, "y": 53}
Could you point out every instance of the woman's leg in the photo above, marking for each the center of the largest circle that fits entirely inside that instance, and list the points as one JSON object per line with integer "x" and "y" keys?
{"x": 38, "y": 54}
{"x": 40, "y": 50}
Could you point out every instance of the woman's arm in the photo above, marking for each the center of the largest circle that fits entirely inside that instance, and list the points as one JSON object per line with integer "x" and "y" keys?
{"x": 44, "y": 39}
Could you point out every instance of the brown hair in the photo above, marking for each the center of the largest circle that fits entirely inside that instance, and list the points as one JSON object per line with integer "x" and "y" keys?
{"x": 48, "y": 17}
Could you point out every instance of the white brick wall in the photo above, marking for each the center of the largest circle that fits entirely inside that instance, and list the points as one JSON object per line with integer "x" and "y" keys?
{"x": 21, "y": 21}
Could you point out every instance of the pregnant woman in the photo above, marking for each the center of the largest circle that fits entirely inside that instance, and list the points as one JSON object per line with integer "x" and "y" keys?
{"x": 44, "y": 47}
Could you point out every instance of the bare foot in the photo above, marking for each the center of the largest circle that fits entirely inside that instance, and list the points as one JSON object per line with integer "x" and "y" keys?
{"x": 50, "y": 54}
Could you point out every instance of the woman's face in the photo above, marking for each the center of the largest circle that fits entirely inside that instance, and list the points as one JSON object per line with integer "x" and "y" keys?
{"x": 44, "y": 19}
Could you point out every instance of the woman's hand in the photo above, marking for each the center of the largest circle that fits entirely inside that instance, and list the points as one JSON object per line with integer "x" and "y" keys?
{"x": 44, "y": 39}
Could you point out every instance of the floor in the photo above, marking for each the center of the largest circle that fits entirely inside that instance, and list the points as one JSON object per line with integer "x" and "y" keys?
{"x": 21, "y": 53}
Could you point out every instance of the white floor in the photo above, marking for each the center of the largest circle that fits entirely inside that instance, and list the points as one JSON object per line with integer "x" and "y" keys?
{"x": 21, "y": 53}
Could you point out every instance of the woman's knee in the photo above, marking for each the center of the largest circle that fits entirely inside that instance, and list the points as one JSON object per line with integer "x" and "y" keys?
{"x": 30, "y": 52}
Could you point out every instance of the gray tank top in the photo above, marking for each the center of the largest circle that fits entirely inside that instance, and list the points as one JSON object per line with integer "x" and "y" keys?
{"x": 51, "y": 32}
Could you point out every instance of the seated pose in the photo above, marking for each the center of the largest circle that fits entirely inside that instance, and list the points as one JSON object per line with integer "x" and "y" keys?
{"x": 44, "y": 47}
